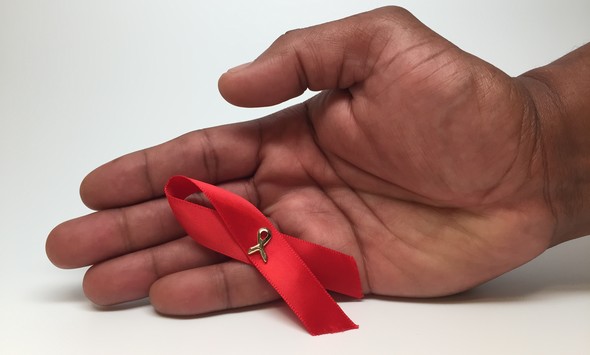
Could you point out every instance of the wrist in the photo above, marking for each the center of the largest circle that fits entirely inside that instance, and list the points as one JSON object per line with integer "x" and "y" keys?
{"x": 559, "y": 95}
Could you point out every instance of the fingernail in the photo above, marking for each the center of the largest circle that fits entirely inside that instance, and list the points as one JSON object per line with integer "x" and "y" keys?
{"x": 239, "y": 67}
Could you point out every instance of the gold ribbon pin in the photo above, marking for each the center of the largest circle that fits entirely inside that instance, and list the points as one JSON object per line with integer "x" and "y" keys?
{"x": 262, "y": 242}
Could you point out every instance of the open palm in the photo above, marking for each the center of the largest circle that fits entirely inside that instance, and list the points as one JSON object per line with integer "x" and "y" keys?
{"x": 419, "y": 160}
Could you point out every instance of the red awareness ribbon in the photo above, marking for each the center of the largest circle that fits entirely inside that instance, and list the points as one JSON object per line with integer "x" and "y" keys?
{"x": 299, "y": 271}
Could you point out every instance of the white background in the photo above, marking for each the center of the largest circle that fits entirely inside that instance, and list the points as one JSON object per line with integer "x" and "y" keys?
{"x": 82, "y": 82}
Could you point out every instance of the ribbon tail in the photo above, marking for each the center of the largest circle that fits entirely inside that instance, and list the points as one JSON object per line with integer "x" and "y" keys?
{"x": 336, "y": 271}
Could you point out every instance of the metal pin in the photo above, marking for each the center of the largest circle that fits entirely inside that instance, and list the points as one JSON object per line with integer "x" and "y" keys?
{"x": 262, "y": 242}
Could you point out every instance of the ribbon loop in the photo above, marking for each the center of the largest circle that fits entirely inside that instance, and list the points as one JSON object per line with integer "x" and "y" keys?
{"x": 299, "y": 271}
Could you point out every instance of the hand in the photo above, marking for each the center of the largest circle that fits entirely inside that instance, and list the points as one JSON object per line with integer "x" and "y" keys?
{"x": 421, "y": 161}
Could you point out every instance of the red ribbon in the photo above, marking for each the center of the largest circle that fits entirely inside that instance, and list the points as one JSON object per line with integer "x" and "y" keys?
{"x": 298, "y": 270}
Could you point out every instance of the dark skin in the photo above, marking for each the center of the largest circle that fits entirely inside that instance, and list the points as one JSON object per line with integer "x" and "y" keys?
{"x": 429, "y": 166}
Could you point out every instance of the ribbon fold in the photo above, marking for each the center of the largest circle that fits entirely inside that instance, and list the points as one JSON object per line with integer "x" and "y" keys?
{"x": 298, "y": 270}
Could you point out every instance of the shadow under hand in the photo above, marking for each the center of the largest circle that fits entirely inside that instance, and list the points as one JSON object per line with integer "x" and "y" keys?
{"x": 278, "y": 307}
{"x": 122, "y": 306}
{"x": 561, "y": 271}
{"x": 70, "y": 293}
{"x": 73, "y": 293}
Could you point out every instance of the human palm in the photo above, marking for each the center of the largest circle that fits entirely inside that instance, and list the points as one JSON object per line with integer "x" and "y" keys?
{"x": 419, "y": 160}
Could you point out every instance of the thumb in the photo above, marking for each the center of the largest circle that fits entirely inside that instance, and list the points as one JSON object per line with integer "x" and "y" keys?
{"x": 335, "y": 55}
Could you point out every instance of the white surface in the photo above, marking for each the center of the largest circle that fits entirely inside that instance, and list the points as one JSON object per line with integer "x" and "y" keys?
{"x": 82, "y": 82}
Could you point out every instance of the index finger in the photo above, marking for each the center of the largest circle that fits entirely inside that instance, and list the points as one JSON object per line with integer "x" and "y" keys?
{"x": 213, "y": 155}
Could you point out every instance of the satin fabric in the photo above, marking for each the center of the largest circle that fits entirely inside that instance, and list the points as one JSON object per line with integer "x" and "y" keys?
{"x": 298, "y": 270}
